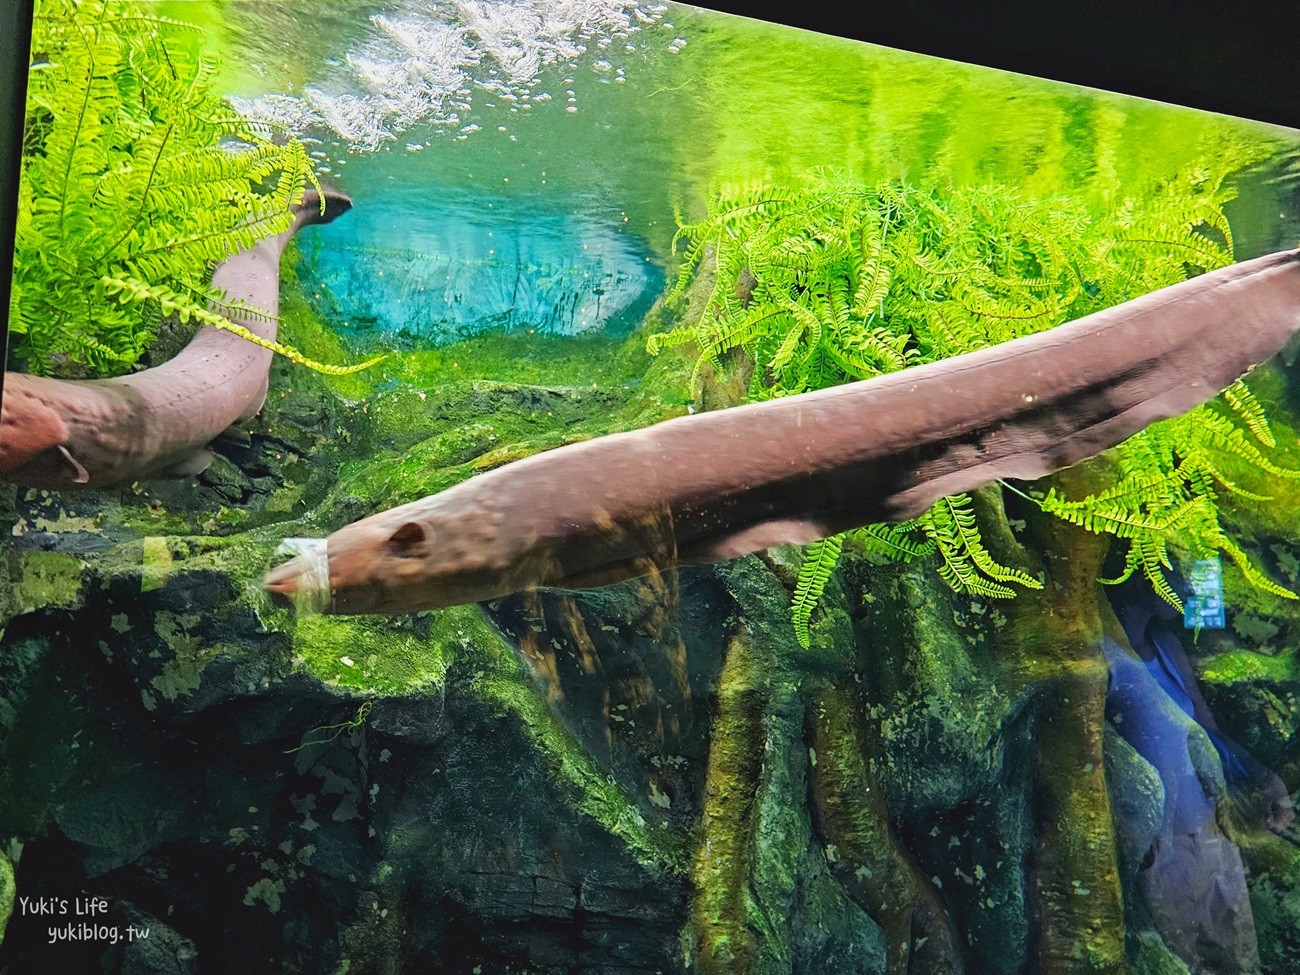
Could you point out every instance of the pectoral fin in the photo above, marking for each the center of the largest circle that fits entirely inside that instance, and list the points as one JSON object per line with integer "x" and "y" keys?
{"x": 74, "y": 469}
{"x": 756, "y": 538}
{"x": 53, "y": 465}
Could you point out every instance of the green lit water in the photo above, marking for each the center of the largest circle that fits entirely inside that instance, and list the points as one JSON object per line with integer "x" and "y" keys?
{"x": 603, "y": 152}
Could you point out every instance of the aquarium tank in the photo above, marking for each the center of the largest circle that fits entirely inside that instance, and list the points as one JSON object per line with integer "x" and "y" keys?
{"x": 593, "y": 487}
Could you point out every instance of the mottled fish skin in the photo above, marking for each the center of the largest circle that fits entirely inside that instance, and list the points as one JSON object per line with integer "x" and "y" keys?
{"x": 61, "y": 433}
{"x": 717, "y": 485}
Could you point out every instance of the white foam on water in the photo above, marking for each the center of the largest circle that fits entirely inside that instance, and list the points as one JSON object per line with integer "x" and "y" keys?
{"x": 313, "y": 593}
{"x": 421, "y": 65}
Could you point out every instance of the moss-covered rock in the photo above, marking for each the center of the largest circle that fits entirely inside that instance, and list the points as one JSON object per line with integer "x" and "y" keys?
{"x": 8, "y": 893}
{"x": 648, "y": 777}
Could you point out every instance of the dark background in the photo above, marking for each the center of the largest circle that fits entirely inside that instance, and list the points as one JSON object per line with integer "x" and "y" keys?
{"x": 1238, "y": 58}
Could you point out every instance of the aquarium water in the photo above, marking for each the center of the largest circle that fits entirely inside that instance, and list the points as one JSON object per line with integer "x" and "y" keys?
{"x": 440, "y": 651}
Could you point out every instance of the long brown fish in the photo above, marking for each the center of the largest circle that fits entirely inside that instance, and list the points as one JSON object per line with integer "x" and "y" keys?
{"x": 718, "y": 485}
{"x": 58, "y": 433}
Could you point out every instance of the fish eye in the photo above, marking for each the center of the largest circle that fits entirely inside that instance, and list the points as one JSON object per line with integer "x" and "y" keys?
{"x": 408, "y": 540}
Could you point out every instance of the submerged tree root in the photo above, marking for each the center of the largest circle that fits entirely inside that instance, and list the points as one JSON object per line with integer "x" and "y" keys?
{"x": 1053, "y": 636}
{"x": 1077, "y": 875}
{"x": 724, "y": 942}
{"x": 853, "y": 820}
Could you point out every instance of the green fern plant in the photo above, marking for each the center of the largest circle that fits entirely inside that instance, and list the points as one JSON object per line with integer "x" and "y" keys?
{"x": 136, "y": 180}
{"x": 831, "y": 281}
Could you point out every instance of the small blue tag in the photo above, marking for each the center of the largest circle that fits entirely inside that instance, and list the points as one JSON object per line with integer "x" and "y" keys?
{"x": 1203, "y": 609}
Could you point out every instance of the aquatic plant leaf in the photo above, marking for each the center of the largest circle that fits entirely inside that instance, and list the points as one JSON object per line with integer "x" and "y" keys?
{"x": 1243, "y": 403}
{"x": 814, "y": 573}
{"x": 830, "y": 281}
{"x": 133, "y": 170}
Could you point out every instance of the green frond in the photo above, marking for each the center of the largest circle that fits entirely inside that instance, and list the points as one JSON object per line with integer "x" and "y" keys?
{"x": 1251, "y": 572}
{"x": 1154, "y": 558}
{"x": 1131, "y": 492}
{"x": 873, "y": 275}
{"x": 1242, "y": 402}
{"x": 682, "y": 335}
{"x": 1218, "y": 432}
{"x": 814, "y": 575}
{"x": 896, "y": 542}
{"x": 1116, "y": 520}
{"x": 967, "y": 566}
{"x": 185, "y": 308}
{"x": 988, "y": 305}
{"x": 127, "y": 174}
{"x": 784, "y": 354}
{"x": 1202, "y": 475}
{"x": 847, "y": 282}
{"x": 1176, "y": 232}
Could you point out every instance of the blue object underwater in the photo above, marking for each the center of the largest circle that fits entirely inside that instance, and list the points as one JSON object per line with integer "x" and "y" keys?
{"x": 1149, "y": 624}
{"x": 433, "y": 274}
{"x": 1140, "y": 708}
{"x": 1203, "y": 606}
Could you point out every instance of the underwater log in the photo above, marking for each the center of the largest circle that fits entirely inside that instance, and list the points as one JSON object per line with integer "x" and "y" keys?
{"x": 873, "y": 867}
{"x": 717, "y": 485}
{"x": 56, "y": 433}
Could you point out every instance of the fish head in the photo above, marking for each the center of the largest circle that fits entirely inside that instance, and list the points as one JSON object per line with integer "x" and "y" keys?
{"x": 389, "y": 563}
{"x": 311, "y": 211}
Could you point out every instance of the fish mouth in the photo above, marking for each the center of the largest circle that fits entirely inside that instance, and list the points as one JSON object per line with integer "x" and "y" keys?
{"x": 303, "y": 582}
{"x": 284, "y": 582}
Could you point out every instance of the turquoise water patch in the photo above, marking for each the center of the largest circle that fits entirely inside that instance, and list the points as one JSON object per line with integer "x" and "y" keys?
{"x": 434, "y": 265}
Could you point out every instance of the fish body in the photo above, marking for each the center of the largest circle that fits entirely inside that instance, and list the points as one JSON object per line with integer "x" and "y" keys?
{"x": 721, "y": 484}
{"x": 59, "y": 433}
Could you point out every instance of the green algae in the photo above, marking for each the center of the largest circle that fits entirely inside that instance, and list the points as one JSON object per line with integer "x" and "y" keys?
{"x": 1273, "y": 872}
{"x": 49, "y": 580}
{"x": 765, "y": 895}
{"x": 183, "y": 672}
{"x": 241, "y": 559}
{"x": 499, "y": 677}
{"x": 305, "y": 330}
{"x": 389, "y": 657}
{"x": 527, "y": 358}
{"x": 782, "y": 833}
{"x": 267, "y": 892}
{"x": 472, "y": 422}
{"x": 584, "y": 785}
{"x": 38, "y": 731}
{"x": 720, "y": 914}
{"x": 376, "y": 654}
{"x": 429, "y": 419}
{"x": 1240, "y": 666}
{"x": 155, "y": 563}
{"x": 146, "y": 518}
{"x": 8, "y": 890}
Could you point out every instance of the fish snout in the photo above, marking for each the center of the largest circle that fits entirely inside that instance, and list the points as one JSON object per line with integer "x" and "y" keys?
{"x": 336, "y": 204}
{"x": 284, "y": 581}
{"x": 304, "y": 580}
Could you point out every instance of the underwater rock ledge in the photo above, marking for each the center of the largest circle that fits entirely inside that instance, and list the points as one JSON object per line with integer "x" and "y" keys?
{"x": 640, "y": 778}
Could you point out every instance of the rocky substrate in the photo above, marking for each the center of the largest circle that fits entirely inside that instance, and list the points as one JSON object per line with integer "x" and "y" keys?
{"x": 651, "y": 777}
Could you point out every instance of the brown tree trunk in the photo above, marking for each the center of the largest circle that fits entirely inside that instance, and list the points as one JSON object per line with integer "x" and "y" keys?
{"x": 1053, "y": 638}
{"x": 865, "y": 857}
